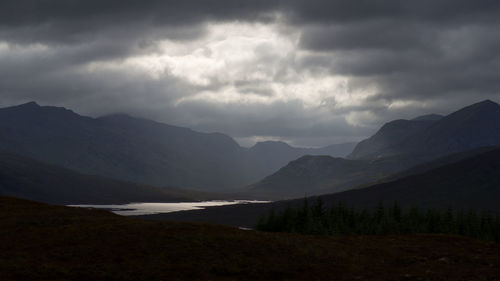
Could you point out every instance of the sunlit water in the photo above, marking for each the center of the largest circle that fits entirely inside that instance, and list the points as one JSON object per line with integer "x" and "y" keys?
{"x": 137, "y": 209}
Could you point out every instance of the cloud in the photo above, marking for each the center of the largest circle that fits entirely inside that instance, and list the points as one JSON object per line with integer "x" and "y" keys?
{"x": 308, "y": 72}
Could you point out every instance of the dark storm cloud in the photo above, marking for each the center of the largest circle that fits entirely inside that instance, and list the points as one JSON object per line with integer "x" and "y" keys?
{"x": 92, "y": 93}
{"x": 62, "y": 21}
{"x": 423, "y": 51}
{"x": 365, "y": 35}
{"x": 431, "y": 56}
{"x": 36, "y": 12}
{"x": 430, "y": 61}
{"x": 343, "y": 11}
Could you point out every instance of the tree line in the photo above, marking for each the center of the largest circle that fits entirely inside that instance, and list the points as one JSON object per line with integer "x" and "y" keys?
{"x": 341, "y": 220}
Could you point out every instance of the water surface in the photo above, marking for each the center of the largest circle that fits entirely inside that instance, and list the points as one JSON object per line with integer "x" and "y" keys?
{"x": 145, "y": 208}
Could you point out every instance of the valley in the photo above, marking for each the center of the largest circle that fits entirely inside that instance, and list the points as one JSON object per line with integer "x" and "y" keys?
{"x": 302, "y": 140}
{"x": 178, "y": 231}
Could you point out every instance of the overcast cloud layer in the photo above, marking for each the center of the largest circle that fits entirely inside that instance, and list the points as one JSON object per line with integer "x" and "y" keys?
{"x": 308, "y": 72}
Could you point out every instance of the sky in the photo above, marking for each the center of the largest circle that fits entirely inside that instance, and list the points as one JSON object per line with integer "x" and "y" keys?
{"x": 308, "y": 72}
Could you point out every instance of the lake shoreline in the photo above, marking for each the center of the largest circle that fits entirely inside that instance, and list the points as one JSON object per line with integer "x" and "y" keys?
{"x": 153, "y": 208}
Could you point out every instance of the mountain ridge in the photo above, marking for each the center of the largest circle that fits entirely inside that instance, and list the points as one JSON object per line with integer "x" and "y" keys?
{"x": 397, "y": 146}
{"x": 135, "y": 149}
{"x": 31, "y": 179}
{"x": 471, "y": 127}
{"x": 472, "y": 181}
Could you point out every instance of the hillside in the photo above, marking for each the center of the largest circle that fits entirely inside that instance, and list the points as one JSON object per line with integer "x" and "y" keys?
{"x": 312, "y": 175}
{"x": 139, "y": 150}
{"x": 474, "y": 126}
{"x": 471, "y": 182}
{"x": 399, "y": 145}
{"x": 27, "y": 178}
{"x": 269, "y": 156}
{"x": 62, "y": 243}
{"x": 391, "y": 134}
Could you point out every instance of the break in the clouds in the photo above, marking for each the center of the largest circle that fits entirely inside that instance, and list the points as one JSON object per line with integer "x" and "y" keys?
{"x": 308, "y": 72}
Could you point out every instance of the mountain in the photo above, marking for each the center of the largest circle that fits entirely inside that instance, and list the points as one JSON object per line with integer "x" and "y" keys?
{"x": 397, "y": 146}
{"x": 474, "y": 126}
{"x": 477, "y": 125}
{"x": 118, "y": 146}
{"x": 471, "y": 182}
{"x": 27, "y": 178}
{"x": 428, "y": 117}
{"x": 138, "y": 150}
{"x": 439, "y": 162}
{"x": 391, "y": 134}
{"x": 312, "y": 175}
{"x": 269, "y": 156}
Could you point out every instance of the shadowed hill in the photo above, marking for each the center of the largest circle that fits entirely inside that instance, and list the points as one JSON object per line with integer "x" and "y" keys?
{"x": 474, "y": 126}
{"x": 119, "y": 146}
{"x": 471, "y": 182}
{"x": 140, "y": 150}
{"x": 62, "y": 243}
{"x": 397, "y": 146}
{"x": 273, "y": 155}
{"x": 391, "y": 134}
{"x": 310, "y": 175}
{"x": 27, "y": 178}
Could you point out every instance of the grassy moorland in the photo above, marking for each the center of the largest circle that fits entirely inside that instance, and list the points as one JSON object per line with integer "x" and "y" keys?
{"x": 44, "y": 242}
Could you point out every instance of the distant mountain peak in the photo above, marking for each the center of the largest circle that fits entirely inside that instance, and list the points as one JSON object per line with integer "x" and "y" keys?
{"x": 271, "y": 143}
{"x": 32, "y": 107}
{"x": 428, "y": 117}
{"x": 486, "y": 104}
{"x": 487, "y": 101}
{"x": 485, "y": 110}
{"x": 264, "y": 146}
{"x": 35, "y": 106}
{"x": 28, "y": 105}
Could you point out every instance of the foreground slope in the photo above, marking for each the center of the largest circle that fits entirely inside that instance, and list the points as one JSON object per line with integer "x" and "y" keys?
{"x": 61, "y": 243}
{"x": 471, "y": 182}
{"x": 27, "y": 178}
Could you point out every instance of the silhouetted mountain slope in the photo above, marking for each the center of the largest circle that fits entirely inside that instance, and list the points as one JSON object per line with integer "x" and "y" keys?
{"x": 310, "y": 175}
{"x": 273, "y": 155}
{"x": 391, "y": 134}
{"x": 335, "y": 150}
{"x": 428, "y": 117}
{"x": 439, "y": 162}
{"x": 27, "y": 178}
{"x": 177, "y": 156}
{"x": 472, "y": 182}
{"x": 138, "y": 150}
{"x": 474, "y": 126}
{"x": 397, "y": 146}
{"x": 121, "y": 147}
